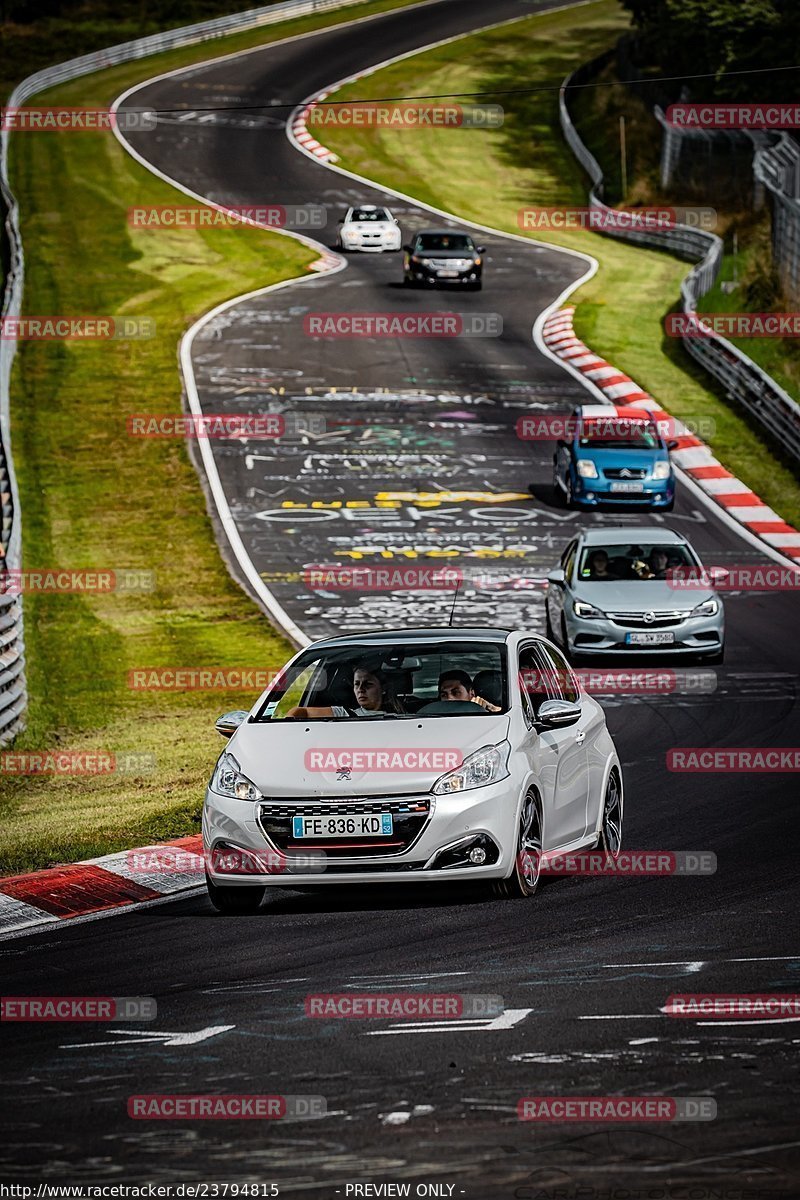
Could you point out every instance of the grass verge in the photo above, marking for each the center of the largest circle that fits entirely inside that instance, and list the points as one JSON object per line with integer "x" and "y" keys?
{"x": 93, "y": 497}
{"x": 489, "y": 175}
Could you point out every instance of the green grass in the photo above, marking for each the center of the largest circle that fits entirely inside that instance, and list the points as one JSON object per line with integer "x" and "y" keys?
{"x": 488, "y": 175}
{"x": 93, "y": 497}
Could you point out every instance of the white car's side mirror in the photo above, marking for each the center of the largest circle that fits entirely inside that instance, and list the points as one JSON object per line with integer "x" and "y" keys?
{"x": 230, "y": 722}
{"x": 556, "y": 714}
{"x": 556, "y": 575}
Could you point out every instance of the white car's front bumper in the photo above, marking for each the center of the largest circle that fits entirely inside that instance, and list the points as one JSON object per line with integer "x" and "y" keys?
{"x": 485, "y": 816}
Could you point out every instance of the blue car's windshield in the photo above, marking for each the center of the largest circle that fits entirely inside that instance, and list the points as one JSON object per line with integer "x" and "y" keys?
{"x": 616, "y": 434}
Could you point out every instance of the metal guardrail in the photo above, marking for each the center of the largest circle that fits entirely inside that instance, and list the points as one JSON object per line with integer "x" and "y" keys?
{"x": 777, "y": 167}
{"x": 13, "y": 693}
{"x": 743, "y": 380}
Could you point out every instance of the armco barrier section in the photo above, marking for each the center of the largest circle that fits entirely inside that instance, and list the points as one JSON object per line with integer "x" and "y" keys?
{"x": 778, "y": 168}
{"x": 13, "y": 695}
{"x": 743, "y": 380}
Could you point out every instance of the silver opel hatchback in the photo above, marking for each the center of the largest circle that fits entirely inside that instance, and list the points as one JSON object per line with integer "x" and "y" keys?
{"x": 632, "y": 590}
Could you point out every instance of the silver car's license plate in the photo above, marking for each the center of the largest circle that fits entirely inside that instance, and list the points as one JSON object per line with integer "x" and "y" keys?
{"x": 651, "y": 638}
{"x": 363, "y": 825}
{"x": 627, "y": 487}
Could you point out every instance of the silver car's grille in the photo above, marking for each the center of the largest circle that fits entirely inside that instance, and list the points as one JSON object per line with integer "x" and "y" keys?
{"x": 648, "y": 619}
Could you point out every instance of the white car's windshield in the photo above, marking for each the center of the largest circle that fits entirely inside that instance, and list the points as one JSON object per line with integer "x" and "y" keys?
{"x": 634, "y": 561}
{"x": 369, "y": 214}
{"x": 391, "y": 681}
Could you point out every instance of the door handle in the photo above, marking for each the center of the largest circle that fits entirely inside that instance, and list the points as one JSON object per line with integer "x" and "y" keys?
{"x": 580, "y": 734}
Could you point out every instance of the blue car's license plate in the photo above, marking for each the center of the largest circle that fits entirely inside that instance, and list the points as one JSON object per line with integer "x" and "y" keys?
{"x": 330, "y": 826}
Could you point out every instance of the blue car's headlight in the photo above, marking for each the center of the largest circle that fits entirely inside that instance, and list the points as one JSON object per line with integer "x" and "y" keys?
{"x": 487, "y": 765}
{"x": 662, "y": 470}
{"x": 228, "y": 780}
{"x": 586, "y": 468}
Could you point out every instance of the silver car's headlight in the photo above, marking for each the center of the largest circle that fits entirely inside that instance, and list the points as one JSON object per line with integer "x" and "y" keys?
{"x": 228, "y": 780}
{"x": 662, "y": 470}
{"x": 487, "y": 765}
{"x": 582, "y": 608}
{"x": 709, "y": 608}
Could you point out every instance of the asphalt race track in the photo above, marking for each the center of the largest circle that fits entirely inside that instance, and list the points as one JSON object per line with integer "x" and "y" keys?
{"x": 585, "y": 968}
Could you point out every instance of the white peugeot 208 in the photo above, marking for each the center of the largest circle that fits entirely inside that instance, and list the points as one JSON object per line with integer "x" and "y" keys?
{"x": 409, "y": 756}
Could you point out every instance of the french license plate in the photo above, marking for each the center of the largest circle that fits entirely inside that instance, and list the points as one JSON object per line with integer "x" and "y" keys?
{"x": 627, "y": 487}
{"x": 651, "y": 638}
{"x": 363, "y": 825}
{"x": 447, "y": 274}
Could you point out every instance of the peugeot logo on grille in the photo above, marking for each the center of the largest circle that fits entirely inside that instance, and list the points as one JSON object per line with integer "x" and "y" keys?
{"x": 648, "y": 618}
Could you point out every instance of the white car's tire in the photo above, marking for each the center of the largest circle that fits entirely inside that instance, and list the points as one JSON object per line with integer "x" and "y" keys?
{"x": 524, "y": 878}
{"x": 235, "y": 900}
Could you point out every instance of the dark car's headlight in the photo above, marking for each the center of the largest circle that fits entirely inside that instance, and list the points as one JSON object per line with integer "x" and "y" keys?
{"x": 228, "y": 780}
{"x": 485, "y": 766}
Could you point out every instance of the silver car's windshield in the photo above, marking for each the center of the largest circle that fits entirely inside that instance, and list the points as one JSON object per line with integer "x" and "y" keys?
{"x": 392, "y": 681}
{"x": 634, "y": 561}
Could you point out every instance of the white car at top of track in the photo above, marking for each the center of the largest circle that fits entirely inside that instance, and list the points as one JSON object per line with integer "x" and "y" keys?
{"x": 369, "y": 227}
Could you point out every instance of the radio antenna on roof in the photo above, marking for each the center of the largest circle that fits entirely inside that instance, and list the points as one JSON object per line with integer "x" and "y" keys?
{"x": 455, "y": 598}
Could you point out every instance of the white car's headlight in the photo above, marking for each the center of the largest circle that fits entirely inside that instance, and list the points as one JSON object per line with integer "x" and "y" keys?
{"x": 582, "y": 608}
{"x": 487, "y": 765}
{"x": 228, "y": 780}
{"x": 709, "y": 608}
{"x": 662, "y": 470}
{"x": 586, "y": 468}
